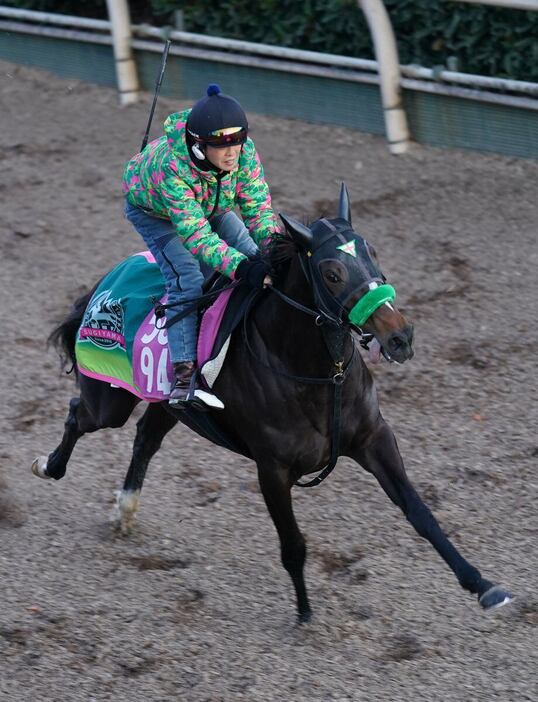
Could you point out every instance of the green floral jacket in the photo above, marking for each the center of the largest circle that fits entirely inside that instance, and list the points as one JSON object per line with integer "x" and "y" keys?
{"x": 163, "y": 179}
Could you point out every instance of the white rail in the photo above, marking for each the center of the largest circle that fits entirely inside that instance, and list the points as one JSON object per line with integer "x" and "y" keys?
{"x": 53, "y": 18}
{"x": 512, "y": 4}
{"x": 302, "y": 57}
{"x": 463, "y": 85}
{"x": 126, "y": 73}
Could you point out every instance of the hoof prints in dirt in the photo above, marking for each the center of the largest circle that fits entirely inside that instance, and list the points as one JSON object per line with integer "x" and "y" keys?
{"x": 209, "y": 492}
{"x": 526, "y": 610}
{"x": 40, "y": 634}
{"x": 362, "y": 612}
{"x": 132, "y": 665}
{"x": 11, "y": 514}
{"x": 32, "y": 150}
{"x": 403, "y": 648}
{"x": 465, "y": 354}
{"x": 388, "y": 201}
{"x": 343, "y": 564}
{"x": 29, "y": 412}
{"x": 157, "y": 563}
{"x": 187, "y": 605}
{"x": 430, "y": 495}
{"x": 18, "y": 637}
{"x": 428, "y": 297}
{"x": 480, "y": 477}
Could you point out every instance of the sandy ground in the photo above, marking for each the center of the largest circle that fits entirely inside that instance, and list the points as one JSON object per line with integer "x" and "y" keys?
{"x": 195, "y": 604}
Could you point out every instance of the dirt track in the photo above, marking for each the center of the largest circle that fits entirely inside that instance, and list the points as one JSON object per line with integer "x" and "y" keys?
{"x": 195, "y": 604}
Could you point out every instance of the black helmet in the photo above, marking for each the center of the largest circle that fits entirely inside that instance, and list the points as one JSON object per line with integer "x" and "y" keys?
{"x": 217, "y": 120}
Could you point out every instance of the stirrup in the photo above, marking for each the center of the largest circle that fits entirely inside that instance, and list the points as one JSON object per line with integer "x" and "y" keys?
{"x": 203, "y": 400}
{"x": 179, "y": 401}
{"x": 200, "y": 400}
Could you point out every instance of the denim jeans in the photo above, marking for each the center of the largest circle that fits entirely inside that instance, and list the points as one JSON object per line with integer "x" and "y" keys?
{"x": 183, "y": 274}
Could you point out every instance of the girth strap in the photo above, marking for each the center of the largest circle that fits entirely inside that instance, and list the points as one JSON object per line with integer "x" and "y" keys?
{"x": 335, "y": 439}
{"x": 335, "y": 340}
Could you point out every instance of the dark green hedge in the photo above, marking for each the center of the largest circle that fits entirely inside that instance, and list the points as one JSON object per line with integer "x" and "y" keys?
{"x": 469, "y": 38}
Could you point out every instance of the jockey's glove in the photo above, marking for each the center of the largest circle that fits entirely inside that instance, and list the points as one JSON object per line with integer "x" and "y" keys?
{"x": 253, "y": 271}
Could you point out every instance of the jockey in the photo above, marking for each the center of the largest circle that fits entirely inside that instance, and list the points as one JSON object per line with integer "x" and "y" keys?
{"x": 180, "y": 192}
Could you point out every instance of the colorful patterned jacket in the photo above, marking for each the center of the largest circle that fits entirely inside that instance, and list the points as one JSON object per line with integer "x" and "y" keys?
{"x": 163, "y": 179}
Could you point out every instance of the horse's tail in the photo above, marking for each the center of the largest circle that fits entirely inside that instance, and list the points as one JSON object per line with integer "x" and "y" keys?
{"x": 63, "y": 337}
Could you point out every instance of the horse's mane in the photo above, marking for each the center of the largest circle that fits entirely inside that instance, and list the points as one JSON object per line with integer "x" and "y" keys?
{"x": 281, "y": 249}
{"x": 280, "y": 253}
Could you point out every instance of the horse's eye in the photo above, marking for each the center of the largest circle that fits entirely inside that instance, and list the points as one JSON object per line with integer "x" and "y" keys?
{"x": 332, "y": 277}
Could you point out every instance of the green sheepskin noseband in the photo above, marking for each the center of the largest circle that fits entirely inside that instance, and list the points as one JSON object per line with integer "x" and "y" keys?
{"x": 369, "y": 303}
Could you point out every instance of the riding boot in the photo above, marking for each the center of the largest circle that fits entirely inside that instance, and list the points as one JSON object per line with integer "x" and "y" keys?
{"x": 181, "y": 394}
{"x": 183, "y": 375}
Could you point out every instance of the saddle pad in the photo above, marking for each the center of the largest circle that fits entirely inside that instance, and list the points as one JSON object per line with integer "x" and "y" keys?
{"x": 117, "y": 341}
{"x": 120, "y": 340}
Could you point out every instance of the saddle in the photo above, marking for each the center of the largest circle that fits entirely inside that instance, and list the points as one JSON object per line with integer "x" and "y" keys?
{"x": 218, "y": 321}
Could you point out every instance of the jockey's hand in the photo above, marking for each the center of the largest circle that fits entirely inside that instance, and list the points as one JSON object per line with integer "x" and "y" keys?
{"x": 255, "y": 272}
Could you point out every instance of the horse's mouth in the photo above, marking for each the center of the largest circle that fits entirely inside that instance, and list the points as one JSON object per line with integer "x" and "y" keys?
{"x": 398, "y": 348}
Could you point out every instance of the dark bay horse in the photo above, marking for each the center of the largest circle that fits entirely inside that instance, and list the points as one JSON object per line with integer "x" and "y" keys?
{"x": 296, "y": 391}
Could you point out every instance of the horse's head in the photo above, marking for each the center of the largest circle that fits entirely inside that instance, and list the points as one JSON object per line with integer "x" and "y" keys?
{"x": 348, "y": 284}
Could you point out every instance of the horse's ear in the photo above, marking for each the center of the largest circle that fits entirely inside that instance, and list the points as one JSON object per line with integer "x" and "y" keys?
{"x": 344, "y": 210}
{"x": 300, "y": 233}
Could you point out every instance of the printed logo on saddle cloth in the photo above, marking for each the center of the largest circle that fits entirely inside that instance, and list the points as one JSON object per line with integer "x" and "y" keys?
{"x": 118, "y": 341}
{"x": 103, "y": 322}
{"x": 121, "y": 342}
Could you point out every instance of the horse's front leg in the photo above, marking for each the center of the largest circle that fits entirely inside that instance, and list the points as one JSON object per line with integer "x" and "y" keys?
{"x": 276, "y": 482}
{"x": 151, "y": 429}
{"x": 381, "y": 457}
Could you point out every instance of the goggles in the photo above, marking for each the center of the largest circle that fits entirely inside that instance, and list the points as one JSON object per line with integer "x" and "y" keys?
{"x": 220, "y": 138}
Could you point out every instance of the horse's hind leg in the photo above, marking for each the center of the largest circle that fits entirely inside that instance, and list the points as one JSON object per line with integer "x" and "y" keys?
{"x": 275, "y": 484}
{"x": 151, "y": 429}
{"x": 381, "y": 457}
{"x": 98, "y": 406}
{"x": 78, "y": 422}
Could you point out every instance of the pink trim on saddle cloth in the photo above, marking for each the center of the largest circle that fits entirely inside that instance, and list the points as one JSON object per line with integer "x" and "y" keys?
{"x": 113, "y": 381}
{"x": 210, "y": 325}
{"x": 147, "y": 255}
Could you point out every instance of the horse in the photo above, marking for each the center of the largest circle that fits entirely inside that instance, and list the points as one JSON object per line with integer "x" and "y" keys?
{"x": 296, "y": 390}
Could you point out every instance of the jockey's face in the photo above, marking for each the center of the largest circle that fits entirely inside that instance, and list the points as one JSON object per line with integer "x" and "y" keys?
{"x": 224, "y": 158}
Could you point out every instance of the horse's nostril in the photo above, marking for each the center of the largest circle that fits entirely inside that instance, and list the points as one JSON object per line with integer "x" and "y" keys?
{"x": 396, "y": 342}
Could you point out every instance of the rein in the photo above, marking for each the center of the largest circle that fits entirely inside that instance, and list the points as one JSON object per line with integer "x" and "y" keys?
{"x": 341, "y": 370}
{"x": 196, "y": 302}
{"x": 334, "y": 340}
{"x": 337, "y": 380}
{"x": 334, "y": 330}
{"x": 321, "y": 317}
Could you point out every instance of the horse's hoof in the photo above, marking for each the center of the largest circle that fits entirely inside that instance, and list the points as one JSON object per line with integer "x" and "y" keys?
{"x": 495, "y": 597}
{"x": 39, "y": 467}
{"x": 305, "y": 617}
{"x": 125, "y": 509}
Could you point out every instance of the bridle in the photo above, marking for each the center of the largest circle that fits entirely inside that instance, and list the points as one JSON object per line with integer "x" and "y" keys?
{"x": 329, "y": 316}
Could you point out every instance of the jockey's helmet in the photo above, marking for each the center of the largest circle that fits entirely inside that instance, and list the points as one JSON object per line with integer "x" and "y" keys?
{"x": 217, "y": 120}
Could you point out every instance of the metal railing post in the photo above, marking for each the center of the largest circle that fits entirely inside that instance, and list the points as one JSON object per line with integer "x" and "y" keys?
{"x": 386, "y": 52}
{"x": 126, "y": 73}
